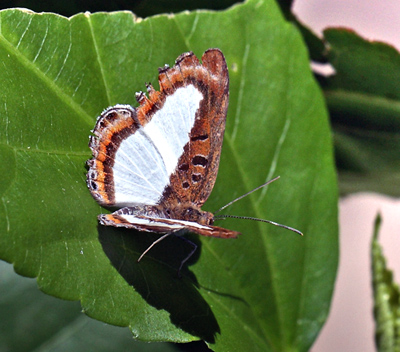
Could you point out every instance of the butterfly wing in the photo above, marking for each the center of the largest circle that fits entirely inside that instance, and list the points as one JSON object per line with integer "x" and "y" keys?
{"x": 126, "y": 167}
{"x": 166, "y": 150}
{"x": 197, "y": 168}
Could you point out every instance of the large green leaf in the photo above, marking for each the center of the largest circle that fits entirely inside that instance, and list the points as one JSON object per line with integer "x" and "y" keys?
{"x": 268, "y": 290}
{"x": 142, "y": 8}
{"x": 33, "y": 321}
{"x": 363, "y": 98}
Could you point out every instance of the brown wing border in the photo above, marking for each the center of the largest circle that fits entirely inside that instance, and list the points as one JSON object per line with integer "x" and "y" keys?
{"x": 197, "y": 169}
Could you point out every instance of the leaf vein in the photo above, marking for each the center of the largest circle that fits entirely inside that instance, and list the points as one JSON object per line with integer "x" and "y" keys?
{"x": 30, "y": 65}
{"x": 101, "y": 66}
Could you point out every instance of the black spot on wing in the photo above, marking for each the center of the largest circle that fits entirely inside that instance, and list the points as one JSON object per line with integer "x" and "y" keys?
{"x": 199, "y": 160}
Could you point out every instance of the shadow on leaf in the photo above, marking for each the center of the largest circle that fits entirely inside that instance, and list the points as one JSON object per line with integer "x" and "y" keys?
{"x": 156, "y": 279}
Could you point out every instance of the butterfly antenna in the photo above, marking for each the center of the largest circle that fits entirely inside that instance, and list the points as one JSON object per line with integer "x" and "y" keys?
{"x": 246, "y": 194}
{"x": 220, "y": 217}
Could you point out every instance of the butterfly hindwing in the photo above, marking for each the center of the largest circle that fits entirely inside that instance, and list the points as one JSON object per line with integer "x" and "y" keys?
{"x": 112, "y": 127}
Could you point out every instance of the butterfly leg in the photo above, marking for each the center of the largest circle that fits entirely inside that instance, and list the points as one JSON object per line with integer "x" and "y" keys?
{"x": 194, "y": 245}
{"x": 152, "y": 245}
{"x": 183, "y": 261}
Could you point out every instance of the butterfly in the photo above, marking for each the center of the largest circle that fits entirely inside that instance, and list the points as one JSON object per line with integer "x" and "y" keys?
{"x": 158, "y": 162}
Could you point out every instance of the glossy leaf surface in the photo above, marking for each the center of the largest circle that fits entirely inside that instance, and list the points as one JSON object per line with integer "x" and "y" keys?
{"x": 268, "y": 290}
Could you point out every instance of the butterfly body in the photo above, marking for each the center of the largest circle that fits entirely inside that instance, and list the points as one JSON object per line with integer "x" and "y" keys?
{"x": 183, "y": 218}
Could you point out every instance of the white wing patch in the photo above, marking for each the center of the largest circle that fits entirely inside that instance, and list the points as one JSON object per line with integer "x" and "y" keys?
{"x": 145, "y": 161}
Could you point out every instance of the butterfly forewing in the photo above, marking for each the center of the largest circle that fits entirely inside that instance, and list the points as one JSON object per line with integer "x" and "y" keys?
{"x": 197, "y": 168}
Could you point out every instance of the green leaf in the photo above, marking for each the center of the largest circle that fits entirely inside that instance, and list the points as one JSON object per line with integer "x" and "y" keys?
{"x": 33, "y": 321}
{"x": 386, "y": 299}
{"x": 363, "y": 98}
{"x": 268, "y": 290}
{"x": 143, "y": 8}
